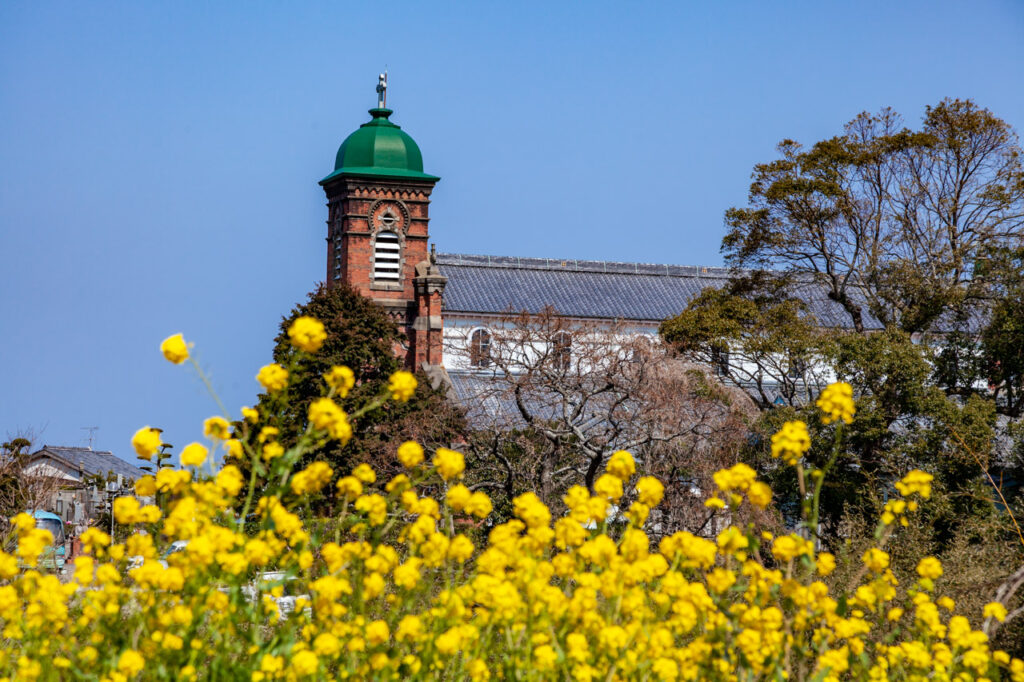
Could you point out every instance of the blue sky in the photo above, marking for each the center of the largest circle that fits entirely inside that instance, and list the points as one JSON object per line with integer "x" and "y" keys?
{"x": 159, "y": 161}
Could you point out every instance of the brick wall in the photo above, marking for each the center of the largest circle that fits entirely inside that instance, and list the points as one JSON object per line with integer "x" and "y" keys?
{"x": 359, "y": 208}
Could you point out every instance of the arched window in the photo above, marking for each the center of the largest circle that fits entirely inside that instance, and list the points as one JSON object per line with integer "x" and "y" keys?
{"x": 480, "y": 348}
{"x": 561, "y": 350}
{"x": 386, "y": 257}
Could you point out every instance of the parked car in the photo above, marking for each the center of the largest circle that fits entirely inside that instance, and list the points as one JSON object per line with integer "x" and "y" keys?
{"x": 55, "y": 556}
{"x": 264, "y": 581}
{"x": 267, "y": 581}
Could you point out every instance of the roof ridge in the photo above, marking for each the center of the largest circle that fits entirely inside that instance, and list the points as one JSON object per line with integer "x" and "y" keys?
{"x": 86, "y": 448}
{"x": 577, "y": 265}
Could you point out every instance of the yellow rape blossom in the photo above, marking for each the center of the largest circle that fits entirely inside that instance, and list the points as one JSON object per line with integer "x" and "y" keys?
{"x": 326, "y": 415}
{"x": 146, "y": 442}
{"x": 609, "y": 487}
{"x": 349, "y": 487}
{"x": 175, "y": 349}
{"x": 458, "y": 496}
{"x": 311, "y": 479}
{"x": 478, "y": 504}
{"x": 759, "y": 494}
{"x": 341, "y": 379}
{"x": 836, "y": 402}
{"x": 826, "y": 563}
{"x": 449, "y": 463}
{"x": 996, "y": 610}
{"x": 649, "y": 491}
{"x": 929, "y": 568}
{"x": 217, "y": 428}
{"x": 304, "y": 663}
{"x": 916, "y": 481}
{"x": 402, "y": 386}
{"x": 876, "y": 560}
{"x": 131, "y": 663}
{"x": 738, "y": 477}
{"x": 234, "y": 449}
{"x": 272, "y": 377}
{"x": 410, "y": 454}
{"x": 621, "y": 465}
{"x": 272, "y": 451}
{"x": 365, "y": 473}
{"x": 193, "y": 454}
{"x": 307, "y": 333}
{"x": 791, "y": 442}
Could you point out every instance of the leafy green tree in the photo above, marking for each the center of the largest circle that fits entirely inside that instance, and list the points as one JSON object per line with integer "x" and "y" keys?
{"x": 361, "y": 337}
{"x": 1002, "y": 340}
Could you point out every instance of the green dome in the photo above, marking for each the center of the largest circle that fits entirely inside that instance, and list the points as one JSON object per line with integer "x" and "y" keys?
{"x": 379, "y": 148}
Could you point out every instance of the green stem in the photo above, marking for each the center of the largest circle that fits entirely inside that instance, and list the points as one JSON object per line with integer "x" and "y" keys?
{"x": 252, "y": 488}
{"x": 369, "y": 406}
{"x": 209, "y": 387}
{"x": 816, "y": 500}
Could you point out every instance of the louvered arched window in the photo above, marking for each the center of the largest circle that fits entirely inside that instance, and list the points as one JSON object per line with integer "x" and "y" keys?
{"x": 480, "y": 348}
{"x": 387, "y": 253}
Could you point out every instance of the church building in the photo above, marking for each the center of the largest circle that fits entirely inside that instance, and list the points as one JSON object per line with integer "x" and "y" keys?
{"x": 378, "y": 241}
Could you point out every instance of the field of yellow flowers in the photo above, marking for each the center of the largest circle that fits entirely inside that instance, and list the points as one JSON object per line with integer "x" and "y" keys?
{"x": 390, "y": 589}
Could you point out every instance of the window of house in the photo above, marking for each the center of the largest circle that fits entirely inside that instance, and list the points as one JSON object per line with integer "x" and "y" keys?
{"x": 480, "y": 348}
{"x": 386, "y": 257}
{"x": 720, "y": 360}
{"x": 561, "y": 351}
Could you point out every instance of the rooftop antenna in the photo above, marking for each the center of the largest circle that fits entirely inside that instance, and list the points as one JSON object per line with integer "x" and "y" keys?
{"x": 382, "y": 90}
{"x": 92, "y": 431}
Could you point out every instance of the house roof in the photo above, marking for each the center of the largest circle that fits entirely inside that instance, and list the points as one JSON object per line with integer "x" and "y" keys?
{"x": 94, "y": 462}
{"x": 487, "y": 402}
{"x": 494, "y": 285}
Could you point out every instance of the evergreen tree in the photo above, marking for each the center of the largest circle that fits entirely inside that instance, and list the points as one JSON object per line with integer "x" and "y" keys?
{"x": 361, "y": 337}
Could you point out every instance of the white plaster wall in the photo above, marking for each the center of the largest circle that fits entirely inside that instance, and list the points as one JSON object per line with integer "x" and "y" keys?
{"x": 51, "y": 469}
{"x": 458, "y": 331}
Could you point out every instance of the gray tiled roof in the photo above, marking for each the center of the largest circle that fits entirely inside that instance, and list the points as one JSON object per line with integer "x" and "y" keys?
{"x": 592, "y": 289}
{"x": 94, "y": 462}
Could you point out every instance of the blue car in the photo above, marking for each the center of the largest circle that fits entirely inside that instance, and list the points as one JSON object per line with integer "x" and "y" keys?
{"x": 54, "y": 557}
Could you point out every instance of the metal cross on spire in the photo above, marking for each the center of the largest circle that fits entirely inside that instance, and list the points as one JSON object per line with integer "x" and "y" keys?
{"x": 382, "y": 90}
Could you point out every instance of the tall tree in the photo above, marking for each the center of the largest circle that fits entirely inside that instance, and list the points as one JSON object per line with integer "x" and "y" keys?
{"x": 914, "y": 238}
{"x": 885, "y": 217}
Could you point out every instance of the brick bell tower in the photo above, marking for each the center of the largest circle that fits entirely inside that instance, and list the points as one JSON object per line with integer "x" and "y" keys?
{"x": 378, "y": 201}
